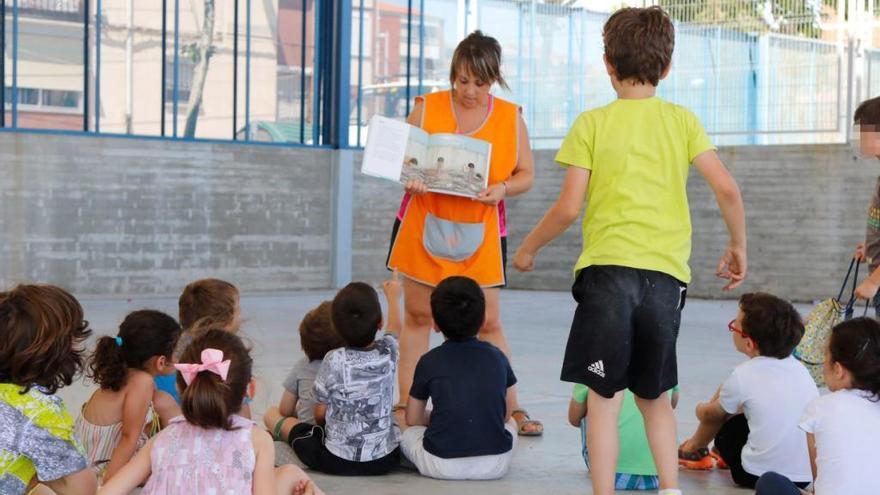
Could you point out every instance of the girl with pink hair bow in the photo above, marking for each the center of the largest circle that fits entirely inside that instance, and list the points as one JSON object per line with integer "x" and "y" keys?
{"x": 211, "y": 448}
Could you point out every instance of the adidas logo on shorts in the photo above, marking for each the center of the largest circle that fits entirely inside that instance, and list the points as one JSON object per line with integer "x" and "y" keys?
{"x": 598, "y": 368}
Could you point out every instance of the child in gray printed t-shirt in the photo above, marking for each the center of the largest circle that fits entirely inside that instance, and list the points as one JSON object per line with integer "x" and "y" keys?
{"x": 297, "y": 405}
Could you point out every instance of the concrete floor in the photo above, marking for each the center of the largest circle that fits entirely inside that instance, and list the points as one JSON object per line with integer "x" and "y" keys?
{"x": 537, "y": 324}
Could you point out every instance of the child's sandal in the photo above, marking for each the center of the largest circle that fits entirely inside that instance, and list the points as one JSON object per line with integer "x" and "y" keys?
{"x": 719, "y": 461}
{"x": 697, "y": 460}
{"x": 527, "y": 421}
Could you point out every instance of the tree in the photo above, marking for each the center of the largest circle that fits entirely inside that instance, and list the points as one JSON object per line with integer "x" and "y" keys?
{"x": 201, "y": 53}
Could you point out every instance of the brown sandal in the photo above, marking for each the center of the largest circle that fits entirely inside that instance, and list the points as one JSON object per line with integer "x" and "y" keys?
{"x": 521, "y": 427}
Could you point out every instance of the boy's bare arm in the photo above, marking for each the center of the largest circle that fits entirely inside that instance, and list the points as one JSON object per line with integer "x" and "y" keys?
{"x": 557, "y": 219}
{"x": 417, "y": 412}
{"x": 320, "y": 414}
{"x": 287, "y": 405}
{"x": 711, "y": 411}
{"x": 733, "y": 265}
{"x": 576, "y": 412}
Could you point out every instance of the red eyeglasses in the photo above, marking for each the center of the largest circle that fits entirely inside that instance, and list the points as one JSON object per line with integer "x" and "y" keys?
{"x": 732, "y": 327}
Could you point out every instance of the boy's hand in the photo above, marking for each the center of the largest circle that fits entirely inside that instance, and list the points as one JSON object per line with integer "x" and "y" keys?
{"x": 732, "y": 267}
{"x": 392, "y": 287}
{"x": 867, "y": 289}
{"x": 415, "y": 187}
{"x": 523, "y": 260}
{"x": 859, "y": 255}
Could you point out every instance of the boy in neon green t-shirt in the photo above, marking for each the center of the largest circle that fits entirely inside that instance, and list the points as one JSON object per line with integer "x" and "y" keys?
{"x": 635, "y": 466}
{"x": 629, "y": 162}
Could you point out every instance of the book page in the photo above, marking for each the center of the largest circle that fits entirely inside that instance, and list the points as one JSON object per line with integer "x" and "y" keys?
{"x": 386, "y": 146}
{"x": 457, "y": 165}
{"x": 416, "y": 156}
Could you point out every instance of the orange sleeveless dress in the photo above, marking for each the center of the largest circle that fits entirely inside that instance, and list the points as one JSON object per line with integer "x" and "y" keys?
{"x": 442, "y": 235}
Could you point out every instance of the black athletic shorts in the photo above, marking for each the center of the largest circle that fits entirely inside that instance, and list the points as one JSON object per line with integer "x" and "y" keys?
{"x": 624, "y": 331}
{"x": 307, "y": 441}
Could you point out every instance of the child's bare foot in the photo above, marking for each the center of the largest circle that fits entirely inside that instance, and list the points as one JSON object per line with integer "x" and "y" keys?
{"x": 304, "y": 487}
{"x": 290, "y": 479}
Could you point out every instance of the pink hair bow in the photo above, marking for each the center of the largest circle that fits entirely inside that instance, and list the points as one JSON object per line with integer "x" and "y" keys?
{"x": 212, "y": 360}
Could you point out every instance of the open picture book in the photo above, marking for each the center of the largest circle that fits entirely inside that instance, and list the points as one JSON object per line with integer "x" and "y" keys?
{"x": 446, "y": 163}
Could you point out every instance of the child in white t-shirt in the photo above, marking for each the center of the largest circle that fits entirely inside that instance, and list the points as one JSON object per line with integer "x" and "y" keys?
{"x": 843, "y": 427}
{"x": 754, "y": 416}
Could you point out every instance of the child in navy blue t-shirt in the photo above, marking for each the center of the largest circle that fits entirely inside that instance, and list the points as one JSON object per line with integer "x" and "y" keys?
{"x": 469, "y": 434}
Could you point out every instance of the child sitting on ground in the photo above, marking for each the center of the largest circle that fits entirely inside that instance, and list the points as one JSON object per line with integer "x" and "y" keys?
{"x": 205, "y": 304}
{"x": 41, "y": 350}
{"x": 843, "y": 427}
{"x": 127, "y": 409}
{"x": 635, "y": 465}
{"x": 354, "y": 392}
{"x": 210, "y": 449}
{"x": 317, "y": 338}
{"x": 469, "y": 434}
{"x": 754, "y": 415}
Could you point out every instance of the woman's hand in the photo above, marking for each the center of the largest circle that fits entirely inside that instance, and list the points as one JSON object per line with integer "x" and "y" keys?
{"x": 415, "y": 187}
{"x": 493, "y": 194}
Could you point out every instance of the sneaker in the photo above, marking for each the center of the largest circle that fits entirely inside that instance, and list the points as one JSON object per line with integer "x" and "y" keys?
{"x": 698, "y": 460}
{"x": 719, "y": 462}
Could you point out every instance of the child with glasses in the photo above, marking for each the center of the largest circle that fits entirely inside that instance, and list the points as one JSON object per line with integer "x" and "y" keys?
{"x": 753, "y": 417}
{"x": 843, "y": 427}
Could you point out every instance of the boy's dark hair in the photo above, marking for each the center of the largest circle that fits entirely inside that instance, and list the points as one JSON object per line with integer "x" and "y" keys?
{"x": 209, "y": 401}
{"x": 142, "y": 335}
{"x": 356, "y": 314}
{"x": 639, "y": 43}
{"x": 855, "y": 344}
{"x": 774, "y": 324}
{"x": 481, "y": 56}
{"x": 316, "y": 333}
{"x": 207, "y": 303}
{"x": 868, "y": 114}
{"x": 41, "y": 334}
{"x": 459, "y": 308}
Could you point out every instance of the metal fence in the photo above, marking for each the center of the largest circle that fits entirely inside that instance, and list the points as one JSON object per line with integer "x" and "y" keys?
{"x": 754, "y": 71}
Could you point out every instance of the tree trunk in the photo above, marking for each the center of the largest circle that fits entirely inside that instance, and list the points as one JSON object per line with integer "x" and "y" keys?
{"x": 200, "y": 72}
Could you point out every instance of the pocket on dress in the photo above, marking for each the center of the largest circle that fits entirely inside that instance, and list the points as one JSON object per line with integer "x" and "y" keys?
{"x": 454, "y": 241}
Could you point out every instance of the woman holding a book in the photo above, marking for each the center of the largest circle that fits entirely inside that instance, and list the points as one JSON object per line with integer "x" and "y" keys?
{"x": 441, "y": 235}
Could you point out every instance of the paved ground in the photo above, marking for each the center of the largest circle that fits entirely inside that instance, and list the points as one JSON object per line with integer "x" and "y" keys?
{"x": 537, "y": 325}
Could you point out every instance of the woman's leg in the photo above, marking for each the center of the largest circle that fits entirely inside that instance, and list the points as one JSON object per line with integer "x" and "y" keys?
{"x": 416, "y": 332}
{"x": 493, "y": 333}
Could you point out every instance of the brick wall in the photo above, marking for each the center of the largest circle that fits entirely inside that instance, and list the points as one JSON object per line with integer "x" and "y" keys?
{"x": 111, "y": 215}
